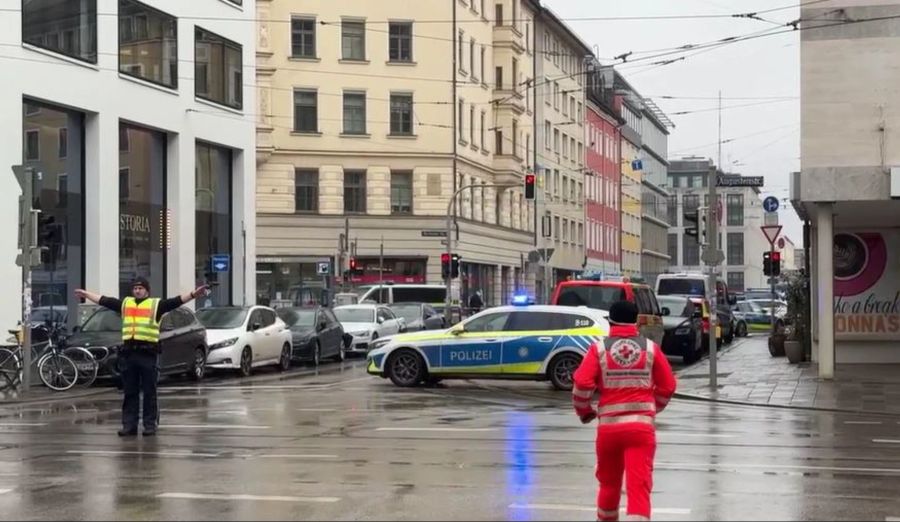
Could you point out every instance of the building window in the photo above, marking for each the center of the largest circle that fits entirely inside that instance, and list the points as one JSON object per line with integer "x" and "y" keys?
{"x": 306, "y": 111}
{"x": 515, "y": 138}
{"x": 148, "y": 43}
{"x": 32, "y": 144}
{"x": 218, "y": 69}
{"x": 481, "y": 66}
{"x": 303, "y": 37}
{"x": 673, "y": 248}
{"x": 498, "y": 141}
{"x": 735, "y": 281}
{"x": 214, "y": 197}
{"x": 400, "y": 38}
{"x": 142, "y": 209}
{"x": 472, "y": 58}
{"x": 547, "y": 133}
{"x": 472, "y": 124}
{"x": 690, "y": 202}
{"x": 498, "y": 77}
{"x": 556, "y": 141}
{"x": 401, "y": 192}
{"x": 62, "y": 141}
{"x": 62, "y": 26}
{"x": 354, "y": 113}
{"x": 481, "y": 130}
{"x": 735, "y": 204}
{"x": 673, "y": 211}
{"x": 355, "y": 192}
{"x": 735, "y": 248}
{"x": 498, "y": 14}
{"x": 401, "y": 114}
{"x": 306, "y": 190}
{"x": 461, "y": 119}
{"x": 353, "y": 40}
{"x": 460, "y": 54}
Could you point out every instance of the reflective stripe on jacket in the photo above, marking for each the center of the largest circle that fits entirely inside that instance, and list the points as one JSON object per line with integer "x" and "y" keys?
{"x": 139, "y": 320}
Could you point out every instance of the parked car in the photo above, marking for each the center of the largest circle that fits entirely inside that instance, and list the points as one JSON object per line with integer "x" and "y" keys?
{"x": 419, "y": 316}
{"x": 182, "y": 339}
{"x": 243, "y": 338}
{"x": 601, "y": 295}
{"x": 367, "y": 323}
{"x": 315, "y": 332}
{"x": 755, "y": 316}
{"x": 703, "y": 305}
{"x": 694, "y": 285}
{"x": 682, "y": 319}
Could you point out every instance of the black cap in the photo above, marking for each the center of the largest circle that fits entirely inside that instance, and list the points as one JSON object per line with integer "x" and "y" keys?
{"x": 141, "y": 281}
{"x": 623, "y": 312}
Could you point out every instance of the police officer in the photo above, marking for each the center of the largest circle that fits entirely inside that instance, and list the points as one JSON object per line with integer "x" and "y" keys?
{"x": 635, "y": 382}
{"x": 139, "y": 355}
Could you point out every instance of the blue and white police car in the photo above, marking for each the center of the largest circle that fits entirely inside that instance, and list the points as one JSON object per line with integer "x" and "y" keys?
{"x": 508, "y": 342}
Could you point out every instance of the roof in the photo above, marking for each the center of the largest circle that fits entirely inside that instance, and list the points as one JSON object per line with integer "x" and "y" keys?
{"x": 584, "y": 310}
{"x": 572, "y": 35}
{"x": 592, "y": 282}
{"x": 657, "y": 114}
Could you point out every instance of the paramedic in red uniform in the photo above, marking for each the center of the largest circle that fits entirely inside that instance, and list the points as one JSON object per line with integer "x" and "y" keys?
{"x": 635, "y": 382}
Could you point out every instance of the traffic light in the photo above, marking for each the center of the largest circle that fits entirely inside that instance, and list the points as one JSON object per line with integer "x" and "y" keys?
{"x": 450, "y": 266}
{"x": 354, "y": 265}
{"x": 529, "y": 186}
{"x": 695, "y": 222}
{"x": 772, "y": 263}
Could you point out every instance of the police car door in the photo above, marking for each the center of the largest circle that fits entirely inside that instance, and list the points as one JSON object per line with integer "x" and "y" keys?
{"x": 478, "y": 346}
{"x": 531, "y": 336}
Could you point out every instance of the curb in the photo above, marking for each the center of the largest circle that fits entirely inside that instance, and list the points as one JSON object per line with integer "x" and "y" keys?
{"x": 53, "y": 399}
{"x": 702, "y": 398}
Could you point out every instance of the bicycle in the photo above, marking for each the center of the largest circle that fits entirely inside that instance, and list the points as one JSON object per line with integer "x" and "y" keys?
{"x": 56, "y": 369}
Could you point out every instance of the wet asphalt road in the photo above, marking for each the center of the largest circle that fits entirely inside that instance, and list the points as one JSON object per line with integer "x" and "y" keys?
{"x": 345, "y": 446}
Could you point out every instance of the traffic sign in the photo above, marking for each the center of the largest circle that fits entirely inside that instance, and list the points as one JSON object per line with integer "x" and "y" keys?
{"x": 771, "y": 232}
{"x": 771, "y": 218}
{"x": 781, "y": 243}
{"x": 770, "y": 204}
{"x": 220, "y": 262}
{"x": 713, "y": 258}
{"x": 323, "y": 267}
{"x": 740, "y": 181}
{"x": 434, "y": 233}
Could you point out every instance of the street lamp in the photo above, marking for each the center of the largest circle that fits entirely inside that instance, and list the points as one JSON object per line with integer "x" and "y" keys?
{"x": 450, "y": 212}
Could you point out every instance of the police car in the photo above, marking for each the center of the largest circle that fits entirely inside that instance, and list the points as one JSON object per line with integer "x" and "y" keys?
{"x": 522, "y": 341}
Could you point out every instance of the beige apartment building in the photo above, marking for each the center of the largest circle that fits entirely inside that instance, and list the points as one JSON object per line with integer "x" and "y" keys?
{"x": 560, "y": 124}
{"x": 370, "y": 120}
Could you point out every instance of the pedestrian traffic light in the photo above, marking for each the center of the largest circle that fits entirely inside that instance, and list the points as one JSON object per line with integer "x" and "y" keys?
{"x": 772, "y": 263}
{"x": 529, "y": 186}
{"x": 450, "y": 266}
{"x": 354, "y": 265}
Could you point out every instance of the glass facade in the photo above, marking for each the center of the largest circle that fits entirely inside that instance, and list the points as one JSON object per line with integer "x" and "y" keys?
{"x": 142, "y": 208}
{"x": 285, "y": 282}
{"x": 213, "y": 199}
{"x": 67, "y": 27}
{"x": 148, "y": 43}
{"x": 218, "y": 69}
{"x": 55, "y": 150}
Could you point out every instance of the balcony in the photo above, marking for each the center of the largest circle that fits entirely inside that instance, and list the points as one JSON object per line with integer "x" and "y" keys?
{"x": 509, "y": 98}
{"x": 509, "y": 165}
{"x": 509, "y": 36}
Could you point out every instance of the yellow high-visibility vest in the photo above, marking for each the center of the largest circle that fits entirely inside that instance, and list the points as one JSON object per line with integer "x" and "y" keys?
{"x": 139, "y": 320}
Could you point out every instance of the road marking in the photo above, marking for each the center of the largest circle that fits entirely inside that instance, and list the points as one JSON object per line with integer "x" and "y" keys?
{"x": 885, "y": 441}
{"x": 5, "y": 491}
{"x": 321, "y": 410}
{"x": 299, "y": 456}
{"x": 251, "y": 387}
{"x": 213, "y": 427}
{"x": 257, "y": 498}
{"x": 694, "y": 465}
{"x": 142, "y": 453}
{"x": 708, "y": 435}
{"x": 570, "y": 507}
{"x": 866, "y": 423}
{"x": 891, "y": 519}
{"x": 454, "y": 430}
{"x": 22, "y": 424}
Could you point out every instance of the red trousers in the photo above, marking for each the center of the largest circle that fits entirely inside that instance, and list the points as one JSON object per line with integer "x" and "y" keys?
{"x": 628, "y": 448}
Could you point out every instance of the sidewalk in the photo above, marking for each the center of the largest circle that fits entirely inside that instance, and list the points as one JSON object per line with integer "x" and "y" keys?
{"x": 748, "y": 374}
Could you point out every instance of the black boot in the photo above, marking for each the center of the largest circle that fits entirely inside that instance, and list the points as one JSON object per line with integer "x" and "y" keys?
{"x": 128, "y": 432}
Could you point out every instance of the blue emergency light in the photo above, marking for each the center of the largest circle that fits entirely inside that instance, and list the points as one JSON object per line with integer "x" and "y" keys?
{"x": 522, "y": 300}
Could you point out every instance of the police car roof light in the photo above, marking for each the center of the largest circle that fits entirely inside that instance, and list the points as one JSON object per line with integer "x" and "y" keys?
{"x": 522, "y": 300}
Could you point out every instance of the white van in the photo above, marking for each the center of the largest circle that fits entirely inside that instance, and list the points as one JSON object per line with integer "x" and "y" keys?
{"x": 694, "y": 284}
{"x": 435, "y": 295}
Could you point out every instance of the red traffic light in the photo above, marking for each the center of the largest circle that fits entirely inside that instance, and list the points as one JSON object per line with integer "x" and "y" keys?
{"x": 445, "y": 258}
{"x": 352, "y": 263}
{"x": 529, "y": 186}
{"x": 529, "y": 179}
{"x": 776, "y": 256}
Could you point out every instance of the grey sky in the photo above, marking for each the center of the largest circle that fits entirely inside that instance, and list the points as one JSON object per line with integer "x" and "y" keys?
{"x": 764, "y": 67}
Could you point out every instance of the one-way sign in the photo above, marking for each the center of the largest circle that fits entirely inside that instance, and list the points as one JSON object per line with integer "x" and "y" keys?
{"x": 220, "y": 262}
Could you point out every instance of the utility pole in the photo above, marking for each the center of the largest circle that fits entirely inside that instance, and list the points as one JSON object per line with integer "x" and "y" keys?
{"x": 720, "y": 131}
{"x": 713, "y": 260}
{"x": 29, "y": 257}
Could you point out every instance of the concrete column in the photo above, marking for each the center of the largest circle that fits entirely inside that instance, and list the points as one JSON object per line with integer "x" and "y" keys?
{"x": 102, "y": 203}
{"x": 814, "y": 291}
{"x": 825, "y": 284}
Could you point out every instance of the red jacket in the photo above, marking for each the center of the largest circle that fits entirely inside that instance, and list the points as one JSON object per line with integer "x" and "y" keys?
{"x": 634, "y": 382}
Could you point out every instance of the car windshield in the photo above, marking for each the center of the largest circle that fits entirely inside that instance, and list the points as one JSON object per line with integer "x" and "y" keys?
{"x": 103, "y": 321}
{"x": 355, "y": 315}
{"x": 682, "y": 287}
{"x": 410, "y": 312}
{"x": 593, "y": 296}
{"x": 297, "y": 319}
{"x": 678, "y": 306}
{"x": 222, "y": 318}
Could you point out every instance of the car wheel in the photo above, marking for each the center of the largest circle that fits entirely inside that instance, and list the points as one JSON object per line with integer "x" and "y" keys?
{"x": 561, "y": 370}
{"x": 742, "y": 329}
{"x": 406, "y": 368}
{"x": 198, "y": 366}
{"x": 341, "y": 355}
{"x": 246, "y": 362}
{"x": 284, "y": 364}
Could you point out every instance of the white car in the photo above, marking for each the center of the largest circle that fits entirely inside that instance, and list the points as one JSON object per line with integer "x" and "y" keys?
{"x": 243, "y": 338}
{"x": 367, "y": 323}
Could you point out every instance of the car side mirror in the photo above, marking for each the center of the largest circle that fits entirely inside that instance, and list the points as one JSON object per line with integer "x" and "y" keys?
{"x": 323, "y": 325}
{"x": 458, "y": 330}
{"x": 255, "y": 326}
{"x": 380, "y": 320}
{"x": 666, "y": 311}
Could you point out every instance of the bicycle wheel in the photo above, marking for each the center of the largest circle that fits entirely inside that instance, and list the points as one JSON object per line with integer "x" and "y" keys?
{"x": 85, "y": 362}
{"x": 10, "y": 370}
{"x": 58, "y": 372}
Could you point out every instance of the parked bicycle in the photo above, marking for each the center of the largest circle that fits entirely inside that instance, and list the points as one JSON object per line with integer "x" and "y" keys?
{"x": 59, "y": 368}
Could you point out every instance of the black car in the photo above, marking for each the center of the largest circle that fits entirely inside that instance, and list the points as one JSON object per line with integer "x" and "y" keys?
{"x": 182, "y": 342}
{"x": 682, "y": 320}
{"x": 316, "y": 333}
{"x": 419, "y": 316}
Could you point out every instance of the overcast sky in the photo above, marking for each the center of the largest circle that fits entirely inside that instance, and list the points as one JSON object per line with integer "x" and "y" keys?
{"x": 760, "y": 68}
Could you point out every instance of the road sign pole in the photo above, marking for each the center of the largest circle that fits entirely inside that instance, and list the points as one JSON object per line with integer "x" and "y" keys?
{"x": 772, "y": 285}
{"x": 712, "y": 239}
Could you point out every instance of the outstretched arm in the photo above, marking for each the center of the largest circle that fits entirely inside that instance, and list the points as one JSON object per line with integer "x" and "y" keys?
{"x": 108, "y": 302}
{"x": 167, "y": 305}
{"x": 90, "y": 296}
